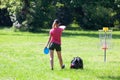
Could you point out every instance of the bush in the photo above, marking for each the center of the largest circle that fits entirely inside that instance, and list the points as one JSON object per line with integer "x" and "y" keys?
{"x": 95, "y": 17}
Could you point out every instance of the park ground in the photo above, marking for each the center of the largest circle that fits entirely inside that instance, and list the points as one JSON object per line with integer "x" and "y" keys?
{"x": 22, "y": 57}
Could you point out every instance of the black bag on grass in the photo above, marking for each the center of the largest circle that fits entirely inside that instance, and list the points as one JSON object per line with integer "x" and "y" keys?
{"x": 76, "y": 63}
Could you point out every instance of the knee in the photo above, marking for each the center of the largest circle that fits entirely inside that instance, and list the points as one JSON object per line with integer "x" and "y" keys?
{"x": 51, "y": 58}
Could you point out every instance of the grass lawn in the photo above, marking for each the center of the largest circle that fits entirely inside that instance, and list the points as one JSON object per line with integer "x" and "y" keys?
{"x": 22, "y": 57}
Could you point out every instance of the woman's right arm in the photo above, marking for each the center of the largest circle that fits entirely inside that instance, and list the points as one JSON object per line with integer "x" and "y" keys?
{"x": 48, "y": 42}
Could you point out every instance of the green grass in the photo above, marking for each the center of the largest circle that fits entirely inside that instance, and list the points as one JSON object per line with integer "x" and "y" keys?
{"x": 22, "y": 57}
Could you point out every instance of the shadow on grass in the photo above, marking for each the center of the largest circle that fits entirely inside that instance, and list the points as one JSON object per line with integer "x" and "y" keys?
{"x": 83, "y": 33}
{"x": 94, "y": 34}
{"x": 67, "y": 33}
{"x": 116, "y": 36}
{"x": 70, "y": 33}
{"x": 24, "y": 33}
{"x": 110, "y": 77}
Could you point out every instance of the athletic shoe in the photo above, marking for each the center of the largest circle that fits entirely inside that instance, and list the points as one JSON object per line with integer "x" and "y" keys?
{"x": 63, "y": 66}
{"x": 51, "y": 68}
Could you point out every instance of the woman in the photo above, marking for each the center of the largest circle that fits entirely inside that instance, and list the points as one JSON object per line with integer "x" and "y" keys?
{"x": 54, "y": 42}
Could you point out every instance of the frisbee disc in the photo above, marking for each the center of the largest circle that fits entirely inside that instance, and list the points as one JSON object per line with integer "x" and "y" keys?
{"x": 63, "y": 27}
{"x": 46, "y": 50}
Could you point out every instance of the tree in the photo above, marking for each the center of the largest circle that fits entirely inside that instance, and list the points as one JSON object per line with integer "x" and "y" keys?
{"x": 33, "y": 15}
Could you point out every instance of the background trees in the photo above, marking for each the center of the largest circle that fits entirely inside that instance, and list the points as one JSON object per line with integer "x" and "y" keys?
{"x": 32, "y": 15}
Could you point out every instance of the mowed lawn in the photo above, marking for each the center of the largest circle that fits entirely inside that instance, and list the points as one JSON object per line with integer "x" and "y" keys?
{"x": 22, "y": 57}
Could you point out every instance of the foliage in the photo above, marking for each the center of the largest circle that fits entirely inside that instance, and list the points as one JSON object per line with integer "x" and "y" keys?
{"x": 100, "y": 18}
{"x": 63, "y": 14}
{"x": 36, "y": 14}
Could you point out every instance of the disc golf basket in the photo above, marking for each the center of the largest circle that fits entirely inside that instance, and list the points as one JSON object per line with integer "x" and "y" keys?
{"x": 105, "y": 36}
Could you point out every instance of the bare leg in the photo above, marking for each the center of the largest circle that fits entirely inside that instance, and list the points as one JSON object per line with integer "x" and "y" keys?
{"x": 51, "y": 58}
{"x": 60, "y": 58}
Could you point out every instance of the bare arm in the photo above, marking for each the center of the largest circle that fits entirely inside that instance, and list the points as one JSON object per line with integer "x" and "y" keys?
{"x": 48, "y": 41}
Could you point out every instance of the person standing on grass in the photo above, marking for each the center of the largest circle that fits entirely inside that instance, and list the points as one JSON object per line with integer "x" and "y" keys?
{"x": 54, "y": 42}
